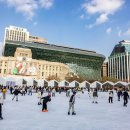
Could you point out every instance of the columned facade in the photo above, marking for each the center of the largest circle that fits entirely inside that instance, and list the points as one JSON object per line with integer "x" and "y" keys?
{"x": 119, "y": 62}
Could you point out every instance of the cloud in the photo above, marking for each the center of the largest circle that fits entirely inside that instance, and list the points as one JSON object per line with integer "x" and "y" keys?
{"x": 124, "y": 33}
{"x": 127, "y": 33}
{"x": 103, "y": 8}
{"x": 28, "y": 7}
{"x": 119, "y": 33}
{"x": 46, "y": 3}
{"x": 82, "y": 16}
{"x": 108, "y": 31}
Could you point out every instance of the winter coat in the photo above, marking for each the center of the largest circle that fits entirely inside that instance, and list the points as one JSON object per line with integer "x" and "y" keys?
{"x": 16, "y": 92}
{"x": 110, "y": 94}
{"x": 1, "y": 98}
{"x": 72, "y": 99}
{"x": 95, "y": 94}
{"x": 39, "y": 95}
{"x": 4, "y": 90}
{"x": 46, "y": 99}
{"x": 125, "y": 95}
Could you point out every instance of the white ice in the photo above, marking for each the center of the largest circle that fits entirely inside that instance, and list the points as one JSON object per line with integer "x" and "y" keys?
{"x": 26, "y": 114}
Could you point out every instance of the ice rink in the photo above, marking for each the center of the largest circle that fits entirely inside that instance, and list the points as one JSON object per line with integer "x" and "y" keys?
{"x": 27, "y": 115}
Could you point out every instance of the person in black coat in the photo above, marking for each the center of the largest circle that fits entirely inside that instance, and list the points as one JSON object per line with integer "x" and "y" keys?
{"x": 119, "y": 94}
{"x": 125, "y": 97}
{"x": 16, "y": 92}
{"x": 45, "y": 100}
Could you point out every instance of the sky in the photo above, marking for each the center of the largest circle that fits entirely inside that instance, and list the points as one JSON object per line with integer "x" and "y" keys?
{"x": 95, "y": 25}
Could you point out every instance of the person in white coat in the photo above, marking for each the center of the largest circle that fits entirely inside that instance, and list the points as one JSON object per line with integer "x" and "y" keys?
{"x": 53, "y": 92}
{"x": 1, "y": 103}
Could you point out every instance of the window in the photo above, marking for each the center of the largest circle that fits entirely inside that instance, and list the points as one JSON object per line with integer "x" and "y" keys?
{"x": 4, "y": 71}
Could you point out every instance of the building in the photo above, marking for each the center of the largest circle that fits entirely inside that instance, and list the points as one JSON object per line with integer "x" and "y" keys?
{"x": 81, "y": 63}
{"x": 119, "y": 61}
{"x": 104, "y": 70}
{"x": 22, "y": 65}
{"x": 16, "y": 34}
{"x": 37, "y": 39}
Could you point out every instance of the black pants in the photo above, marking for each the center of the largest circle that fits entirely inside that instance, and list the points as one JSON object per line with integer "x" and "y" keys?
{"x": 0, "y": 110}
{"x": 125, "y": 101}
{"x": 110, "y": 100}
{"x": 44, "y": 106}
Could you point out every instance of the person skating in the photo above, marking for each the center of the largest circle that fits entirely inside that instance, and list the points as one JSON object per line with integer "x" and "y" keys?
{"x": 4, "y": 92}
{"x": 44, "y": 104}
{"x": 39, "y": 97}
{"x": 125, "y": 97}
{"x": 16, "y": 92}
{"x": 71, "y": 104}
{"x": 1, "y": 103}
{"x": 53, "y": 92}
{"x": 111, "y": 97}
{"x": 30, "y": 90}
{"x": 95, "y": 96}
{"x": 119, "y": 94}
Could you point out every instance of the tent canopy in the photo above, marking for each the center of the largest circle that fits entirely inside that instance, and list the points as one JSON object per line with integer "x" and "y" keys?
{"x": 120, "y": 84}
{"x": 107, "y": 83}
{"x": 85, "y": 84}
{"x": 64, "y": 83}
{"x": 53, "y": 83}
{"x": 74, "y": 84}
{"x": 96, "y": 84}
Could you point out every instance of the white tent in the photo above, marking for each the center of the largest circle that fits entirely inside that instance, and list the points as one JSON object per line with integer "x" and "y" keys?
{"x": 74, "y": 84}
{"x": 53, "y": 83}
{"x": 85, "y": 84}
{"x": 120, "y": 84}
{"x": 42, "y": 82}
{"x": 107, "y": 83}
{"x": 2, "y": 81}
{"x": 19, "y": 81}
{"x": 96, "y": 84}
{"x": 29, "y": 81}
{"x": 64, "y": 83}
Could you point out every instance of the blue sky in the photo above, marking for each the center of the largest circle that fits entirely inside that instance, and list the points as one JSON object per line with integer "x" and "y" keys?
{"x": 87, "y": 24}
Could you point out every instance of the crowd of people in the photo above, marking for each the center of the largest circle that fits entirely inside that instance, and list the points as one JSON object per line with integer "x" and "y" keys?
{"x": 51, "y": 92}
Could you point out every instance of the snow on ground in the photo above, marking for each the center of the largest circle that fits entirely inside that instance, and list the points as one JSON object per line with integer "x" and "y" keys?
{"x": 27, "y": 115}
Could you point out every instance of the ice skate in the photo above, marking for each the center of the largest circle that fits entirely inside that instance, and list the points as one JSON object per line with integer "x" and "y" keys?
{"x": 68, "y": 113}
{"x": 1, "y": 118}
{"x": 73, "y": 113}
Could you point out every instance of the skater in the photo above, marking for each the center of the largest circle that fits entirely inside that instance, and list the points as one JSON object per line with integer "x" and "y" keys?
{"x": 68, "y": 93}
{"x": 95, "y": 96}
{"x": 11, "y": 90}
{"x": 71, "y": 104}
{"x": 111, "y": 97}
{"x": 30, "y": 91}
{"x": 1, "y": 103}
{"x": 119, "y": 94}
{"x": 45, "y": 100}
{"x": 4, "y": 93}
{"x": 16, "y": 92}
{"x": 23, "y": 91}
{"x": 125, "y": 97}
{"x": 39, "y": 97}
{"x": 53, "y": 92}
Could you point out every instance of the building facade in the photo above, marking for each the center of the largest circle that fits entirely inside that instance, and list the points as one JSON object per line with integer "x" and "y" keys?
{"x": 16, "y": 34}
{"x": 105, "y": 70}
{"x": 119, "y": 61}
{"x": 22, "y": 65}
{"x": 37, "y": 39}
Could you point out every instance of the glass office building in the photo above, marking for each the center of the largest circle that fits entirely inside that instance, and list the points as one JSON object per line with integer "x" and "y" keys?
{"x": 119, "y": 61}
